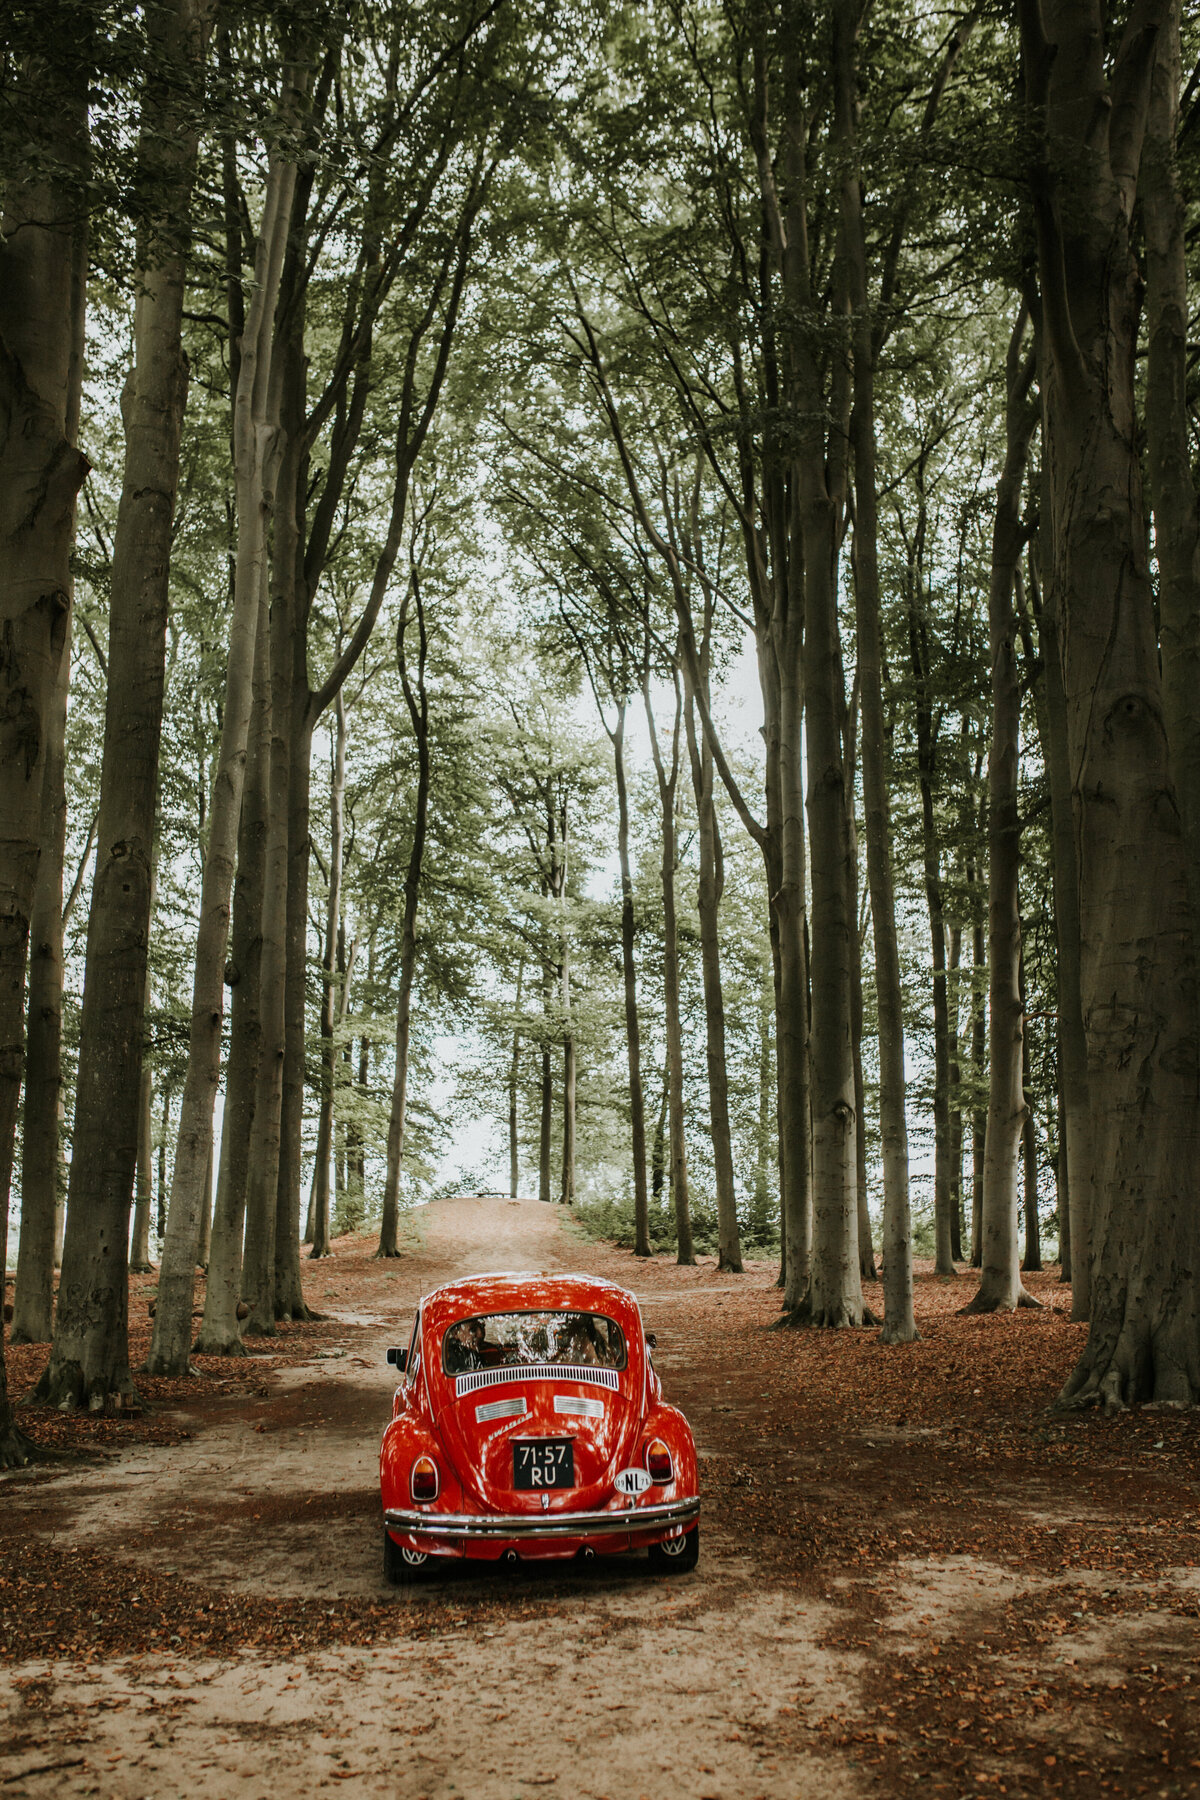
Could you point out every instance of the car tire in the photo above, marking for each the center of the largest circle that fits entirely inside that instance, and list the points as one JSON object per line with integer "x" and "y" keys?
{"x": 401, "y": 1567}
{"x": 677, "y": 1555}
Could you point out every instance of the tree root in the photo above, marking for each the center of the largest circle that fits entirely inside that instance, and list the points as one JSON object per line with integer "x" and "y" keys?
{"x": 803, "y": 1318}
{"x": 16, "y": 1450}
{"x": 218, "y": 1346}
{"x": 67, "y": 1390}
{"x": 894, "y": 1336}
{"x": 981, "y": 1304}
{"x": 384, "y": 1255}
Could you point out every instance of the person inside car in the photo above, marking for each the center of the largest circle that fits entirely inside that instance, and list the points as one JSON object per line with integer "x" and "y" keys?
{"x": 464, "y": 1347}
{"x": 577, "y": 1341}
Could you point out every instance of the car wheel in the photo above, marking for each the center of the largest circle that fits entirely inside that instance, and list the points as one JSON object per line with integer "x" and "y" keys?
{"x": 676, "y": 1555}
{"x": 401, "y": 1566}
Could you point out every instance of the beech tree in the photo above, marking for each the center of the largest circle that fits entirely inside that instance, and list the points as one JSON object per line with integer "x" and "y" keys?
{"x": 42, "y": 263}
{"x": 89, "y": 1359}
{"x": 1137, "y": 955}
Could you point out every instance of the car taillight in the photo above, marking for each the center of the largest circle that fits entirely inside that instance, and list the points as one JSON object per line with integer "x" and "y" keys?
{"x": 424, "y": 1481}
{"x": 658, "y": 1462}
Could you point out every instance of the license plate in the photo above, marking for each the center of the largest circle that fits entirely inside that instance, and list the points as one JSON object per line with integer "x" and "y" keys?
{"x": 544, "y": 1463}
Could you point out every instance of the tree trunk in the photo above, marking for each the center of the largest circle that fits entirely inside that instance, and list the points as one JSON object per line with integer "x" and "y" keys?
{"x": 417, "y": 700}
{"x": 835, "y": 1290}
{"x": 514, "y": 1073}
{"x": 762, "y": 1194}
{"x": 259, "y": 1263}
{"x": 567, "y": 1193}
{"x": 90, "y": 1357}
{"x": 866, "y": 1249}
{"x": 633, "y": 1036}
{"x": 710, "y": 887}
{"x": 658, "y": 1150}
{"x": 1062, "y": 1189}
{"x": 143, "y": 1191}
{"x": 927, "y": 776}
{"x": 1031, "y": 1262}
{"x": 1137, "y": 956}
{"x": 667, "y": 787}
{"x": 256, "y": 464}
{"x": 356, "y": 1159}
{"x": 546, "y": 1119}
{"x": 1000, "y": 1287}
{"x": 978, "y": 1114}
{"x": 1168, "y": 441}
{"x": 1070, "y": 1035}
{"x": 1071, "y": 1047}
{"x": 41, "y": 1146}
{"x": 220, "y": 1331}
{"x": 954, "y": 1091}
{"x": 204, "y": 1247}
{"x": 898, "y": 1324}
{"x": 164, "y": 1128}
{"x": 786, "y": 862}
{"x": 329, "y": 1008}
{"x": 42, "y": 271}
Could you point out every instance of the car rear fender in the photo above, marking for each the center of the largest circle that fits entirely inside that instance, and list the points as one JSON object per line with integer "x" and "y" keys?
{"x": 669, "y": 1424}
{"x": 409, "y": 1436}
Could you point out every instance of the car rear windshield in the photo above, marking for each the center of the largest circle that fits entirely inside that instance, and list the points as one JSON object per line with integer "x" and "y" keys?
{"x": 513, "y": 1340}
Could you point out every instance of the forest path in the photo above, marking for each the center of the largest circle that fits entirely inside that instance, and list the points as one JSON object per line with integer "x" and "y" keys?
{"x": 889, "y": 1539}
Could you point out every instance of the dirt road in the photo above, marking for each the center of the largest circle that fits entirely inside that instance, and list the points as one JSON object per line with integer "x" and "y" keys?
{"x": 908, "y": 1573}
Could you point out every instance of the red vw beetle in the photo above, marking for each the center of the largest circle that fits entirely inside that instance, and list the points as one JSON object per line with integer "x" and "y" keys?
{"x": 530, "y": 1423}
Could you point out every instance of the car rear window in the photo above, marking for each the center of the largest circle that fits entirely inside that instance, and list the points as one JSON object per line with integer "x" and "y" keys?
{"x": 516, "y": 1339}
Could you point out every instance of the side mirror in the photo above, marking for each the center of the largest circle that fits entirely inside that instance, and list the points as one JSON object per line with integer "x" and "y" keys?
{"x": 652, "y": 1340}
{"x": 397, "y": 1357}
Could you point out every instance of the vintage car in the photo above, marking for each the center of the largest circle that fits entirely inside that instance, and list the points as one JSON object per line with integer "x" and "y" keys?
{"x": 530, "y": 1422}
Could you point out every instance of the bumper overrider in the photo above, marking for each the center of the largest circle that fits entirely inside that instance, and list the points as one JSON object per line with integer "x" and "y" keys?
{"x": 665, "y": 1516}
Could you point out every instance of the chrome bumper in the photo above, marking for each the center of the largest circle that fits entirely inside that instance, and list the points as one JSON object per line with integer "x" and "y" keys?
{"x": 504, "y": 1526}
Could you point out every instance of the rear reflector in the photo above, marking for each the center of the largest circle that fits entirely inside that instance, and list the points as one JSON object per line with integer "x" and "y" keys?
{"x": 658, "y": 1462}
{"x": 576, "y": 1407}
{"x": 424, "y": 1481}
{"x": 500, "y": 1409}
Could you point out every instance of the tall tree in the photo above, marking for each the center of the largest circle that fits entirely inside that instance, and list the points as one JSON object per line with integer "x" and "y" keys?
{"x": 256, "y": 427}
{"x": 42, "y": 260}
{"x": 90, "y": 1356}
{"x": 1000, "y": 1286}
{"x": 1088, "y": 101}
{"x": 416, "y": 699}
{"x": 668, "y": 782}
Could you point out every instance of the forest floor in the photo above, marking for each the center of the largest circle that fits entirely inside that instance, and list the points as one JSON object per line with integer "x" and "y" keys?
{"x": 911, "y": 1571}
